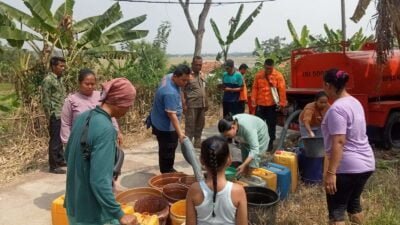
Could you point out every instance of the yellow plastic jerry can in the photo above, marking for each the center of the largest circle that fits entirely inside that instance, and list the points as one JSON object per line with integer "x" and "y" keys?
{"x": 59, "y": 213}
{"x": 269, "y": 177}
{"x": 289, "y": 160}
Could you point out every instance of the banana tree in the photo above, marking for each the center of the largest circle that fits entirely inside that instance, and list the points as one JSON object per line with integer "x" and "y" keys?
{"x": 57, "y": 30}
{"x": 235, "y": 30}
{"x": 302, "y": 41}
{"x": 331, "y": 41}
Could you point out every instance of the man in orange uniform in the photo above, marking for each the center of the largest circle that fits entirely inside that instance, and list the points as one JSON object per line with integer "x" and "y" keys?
{"x": 268, "y": 95}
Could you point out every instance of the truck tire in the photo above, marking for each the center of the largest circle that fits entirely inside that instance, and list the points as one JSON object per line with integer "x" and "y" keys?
{"x": 391, "y": 133}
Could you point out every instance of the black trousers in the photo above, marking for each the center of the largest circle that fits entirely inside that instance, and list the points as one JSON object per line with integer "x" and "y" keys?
{"x": 56, "y": 153}
{"x": 231, "y": 107}
{"x": 242, "y": 106}
{"x": 347, "y": 198}
{"x": 167, "y": 144}
{"x": 270, "y": 116}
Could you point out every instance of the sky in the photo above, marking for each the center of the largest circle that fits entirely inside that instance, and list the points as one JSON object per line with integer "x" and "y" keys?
{"x": 269, "y": 23}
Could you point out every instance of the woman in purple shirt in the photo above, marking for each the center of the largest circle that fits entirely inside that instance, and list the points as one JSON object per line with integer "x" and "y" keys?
{"x": 351, "y": 159}
{"x": 84, "y": 99}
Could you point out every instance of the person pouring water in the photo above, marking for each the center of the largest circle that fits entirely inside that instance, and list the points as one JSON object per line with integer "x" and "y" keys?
{"x": 311, "y": 117}
{"x": 252, "y": 134}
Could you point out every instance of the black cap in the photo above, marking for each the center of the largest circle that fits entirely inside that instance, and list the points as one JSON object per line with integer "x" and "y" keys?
{"x": 243, "y": 66}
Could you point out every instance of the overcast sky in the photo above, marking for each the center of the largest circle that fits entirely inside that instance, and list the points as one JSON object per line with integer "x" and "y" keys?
{"x": 269, "y": 23}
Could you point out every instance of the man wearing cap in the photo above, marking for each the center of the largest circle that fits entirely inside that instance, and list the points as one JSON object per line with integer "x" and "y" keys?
{"x": 194, "y": 102}
{"x": 89, "y": 198}
{"x": 232, "y": 85}
{"x": 268, "y": 95}
{"x": 243, "y": 93}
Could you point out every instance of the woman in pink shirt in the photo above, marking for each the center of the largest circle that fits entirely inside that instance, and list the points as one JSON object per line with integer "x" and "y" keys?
{"x": 351, "y": 159}
{"x": 84, "y": 99}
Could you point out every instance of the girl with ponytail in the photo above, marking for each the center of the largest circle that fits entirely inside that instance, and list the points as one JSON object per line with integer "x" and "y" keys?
{"x": 216, "y": 201}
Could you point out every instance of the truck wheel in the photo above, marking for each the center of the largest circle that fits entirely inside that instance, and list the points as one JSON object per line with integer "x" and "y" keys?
{"x": 391, "y": 134}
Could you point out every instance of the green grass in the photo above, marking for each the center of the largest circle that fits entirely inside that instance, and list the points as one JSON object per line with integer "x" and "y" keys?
{"x": 8, "y": 98}
{"x": 6, "y": 88}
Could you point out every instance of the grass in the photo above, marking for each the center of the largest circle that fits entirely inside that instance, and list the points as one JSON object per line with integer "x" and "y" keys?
{"x": 6, "y": 88}
{"x": 379, "y": 200}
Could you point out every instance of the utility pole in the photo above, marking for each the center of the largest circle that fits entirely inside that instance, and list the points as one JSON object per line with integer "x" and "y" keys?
{"x": 343, "y": 20}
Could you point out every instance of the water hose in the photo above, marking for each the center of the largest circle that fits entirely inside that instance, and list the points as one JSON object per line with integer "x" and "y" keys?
{"x": 190, "y": 156}
{"x": 285, "y": 128}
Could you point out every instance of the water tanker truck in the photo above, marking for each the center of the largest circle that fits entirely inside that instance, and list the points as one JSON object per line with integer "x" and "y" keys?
{"x": 376, "y": 86}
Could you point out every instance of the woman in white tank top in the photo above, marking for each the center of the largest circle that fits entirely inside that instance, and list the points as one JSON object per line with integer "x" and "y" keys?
{"x": 216, "y": 201}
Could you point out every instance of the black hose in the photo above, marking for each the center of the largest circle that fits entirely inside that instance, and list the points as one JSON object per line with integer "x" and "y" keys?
{"x": 285, "y": 129}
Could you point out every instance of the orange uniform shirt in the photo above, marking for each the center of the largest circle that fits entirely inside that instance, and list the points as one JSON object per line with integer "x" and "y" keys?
{"x": 311, "y": 114}
{"x": 261, "y": 90}
{"x": 243, "y": 92}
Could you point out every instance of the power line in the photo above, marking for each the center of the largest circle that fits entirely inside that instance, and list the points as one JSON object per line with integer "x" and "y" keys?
{"x": 193, "y": 3}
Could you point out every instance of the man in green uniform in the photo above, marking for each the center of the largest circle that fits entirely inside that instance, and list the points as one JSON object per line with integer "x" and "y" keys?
{"x": 89, "y": 199}
{"x": 53, "y": 95}
{"x": 194, "y": 102}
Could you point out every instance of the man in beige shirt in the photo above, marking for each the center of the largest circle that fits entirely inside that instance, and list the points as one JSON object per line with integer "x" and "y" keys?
{"x": 194, "y": 102}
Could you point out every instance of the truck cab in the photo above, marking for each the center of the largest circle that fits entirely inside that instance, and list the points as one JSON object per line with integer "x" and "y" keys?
{"x": 376, "y": 86}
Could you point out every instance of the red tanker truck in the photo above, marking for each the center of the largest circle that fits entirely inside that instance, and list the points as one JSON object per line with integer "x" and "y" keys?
{"x": 377, "y": 87}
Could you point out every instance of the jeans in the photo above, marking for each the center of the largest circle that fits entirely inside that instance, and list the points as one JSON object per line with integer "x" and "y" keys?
{"x": 167, "y": 144}
{"x": 270, "y": 116}
{"x": 55, "y": 145}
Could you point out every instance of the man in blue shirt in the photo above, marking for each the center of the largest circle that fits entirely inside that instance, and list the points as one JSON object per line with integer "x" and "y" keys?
{"x": 232, "y": 83}
{"x": 166, "y": 114}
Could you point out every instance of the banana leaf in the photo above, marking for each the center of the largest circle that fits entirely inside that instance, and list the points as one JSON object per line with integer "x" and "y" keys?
{"x": 293, "y": 32}
{"x": 42, "y": 14}
{"x": 127, "y": 25}
{"x": 305, "y": 32}
{"x": 126, "y": 36}
{"x": 7, "y": 32}
{"x": 234, "y": 25}
{"x": 85, "y": 24}
{"x": 112, "y": 15}
{"x": 217, "y": 33}
{"x": 20, "y": 16}
{"x": 246, "y": 24}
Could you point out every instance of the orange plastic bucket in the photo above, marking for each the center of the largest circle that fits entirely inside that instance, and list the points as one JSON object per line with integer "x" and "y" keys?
{"x": 187, "y": 180}
{"x": 130, "y": 196}
{"x": 153, "y": 206}
{"x": 174, "y": 192}
{"x": 178, "y": 213}
{"x": 159, "y": 181}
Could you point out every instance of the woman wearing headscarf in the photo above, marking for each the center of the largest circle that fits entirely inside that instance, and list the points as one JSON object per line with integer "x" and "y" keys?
{"x": 89, "y": 197}
{"x": 85, "y": 99}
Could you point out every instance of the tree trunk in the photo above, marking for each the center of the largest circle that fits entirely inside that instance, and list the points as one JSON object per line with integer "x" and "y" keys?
{"x": 199, "y": 32}
{"x": 198, "y": 43}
